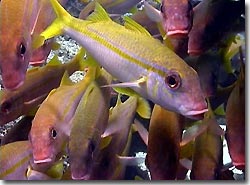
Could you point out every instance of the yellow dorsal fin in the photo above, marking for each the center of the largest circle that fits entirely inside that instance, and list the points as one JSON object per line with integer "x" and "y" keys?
{"x": 118, "y": 101}
{"x": 220, "y": 110}
{"x": 55, "y": 46}
{"x": 65, "y": 79}
{"x": 143, "y": 108}
{"x": 105, "y": 141}
{"x": 54, "y": 61}
{"x": 132, "y": 25}
{"x": 99, "y": 14}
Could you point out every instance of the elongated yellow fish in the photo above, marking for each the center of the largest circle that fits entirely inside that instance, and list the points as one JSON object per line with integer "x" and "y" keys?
{"x": 88, "y": 123}
{"x": 51, "y": 125}
{"x": 135, "y": 58}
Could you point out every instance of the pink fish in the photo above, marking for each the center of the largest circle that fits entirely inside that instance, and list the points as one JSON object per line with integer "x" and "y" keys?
{"x": 177, "y": 16}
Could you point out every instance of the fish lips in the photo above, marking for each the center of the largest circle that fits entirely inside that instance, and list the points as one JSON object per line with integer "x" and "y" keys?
{"x": 46, "y": 160}
{"x": 177, "y": 34}
{"x": 77, "y": 176}
{"x": 196, "y": 114}
{"x": 12, "y": 82}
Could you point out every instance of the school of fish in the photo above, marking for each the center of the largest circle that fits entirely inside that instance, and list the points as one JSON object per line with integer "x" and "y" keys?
{"x": 158, "y": 76}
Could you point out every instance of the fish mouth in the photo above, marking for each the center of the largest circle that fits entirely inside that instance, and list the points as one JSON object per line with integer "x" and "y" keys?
{"x": 196, "y": 114}
{"x": 85, "y": 177}
{"x": 194, "y": 52}
{"x": 13, "y": 86}
{"x": 177, "y": 33}
{"x": 47, "y": 160}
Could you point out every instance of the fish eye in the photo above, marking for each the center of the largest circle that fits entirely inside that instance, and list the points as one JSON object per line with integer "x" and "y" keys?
{"x": 22, "y": 49}
{"x": 161, "y": 8}
{"x": 90, "y": 12}
{"x": 53, "y": 133}
{"x": 173, "y": 80}
{"x": 5, "y": 107}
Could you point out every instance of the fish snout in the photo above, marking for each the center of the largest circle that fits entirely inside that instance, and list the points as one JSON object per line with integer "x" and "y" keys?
{"x": 76, "y": 175}
{"x": 178, "y": 26}
{"x": 45, "y": 160}
{"x": 196, "y": 111}
{"x": 12, "y": 81}
{"x": 41, "y": 156}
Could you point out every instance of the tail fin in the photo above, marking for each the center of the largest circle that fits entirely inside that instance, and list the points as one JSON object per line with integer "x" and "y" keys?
{"x": 56, "y": 27}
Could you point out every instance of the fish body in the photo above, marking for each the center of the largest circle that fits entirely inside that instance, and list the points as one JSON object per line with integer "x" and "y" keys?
{"x": 112, "y": 7}
{"x": 37, "y": 85}
{"x": 208, "y": 152}
{"x": 212, "y": 20}
{"x": 51, "y": 125}
{"x": 164, "y": 138}
{"x": 235, "y": 121}
{"x": 130, "y": 54}
{"x": 19, "y": 132}
{"x": 20, "y": 21}
{"x": 15, "y": 159}
{"x": 107, "y": 165}
{"x": 88, "y": 123}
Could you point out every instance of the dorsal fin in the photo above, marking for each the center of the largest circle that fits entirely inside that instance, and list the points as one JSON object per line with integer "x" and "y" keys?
{"x": 65, "y": 79}
{"x": 132, "y": 25}
{"x": 99, "y": 14}
{"x": 54, "y": 61}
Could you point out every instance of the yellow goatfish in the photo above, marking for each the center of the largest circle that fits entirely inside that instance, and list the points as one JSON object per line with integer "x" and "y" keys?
{"x": 51, "y": 125}
{"x": 134, "y": 57}
{"x": 88, "y": 124}
{"x": 20, "y": 21}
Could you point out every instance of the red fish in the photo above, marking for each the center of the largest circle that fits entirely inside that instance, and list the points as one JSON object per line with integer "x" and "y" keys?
{"x": 235, "y": 120}
{"x": 177, "y": 16}
{"x": 164, "y": 143}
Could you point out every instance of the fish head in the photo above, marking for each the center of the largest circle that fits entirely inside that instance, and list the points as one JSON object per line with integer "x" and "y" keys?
{"x": 177, "y": 17}
{"x": 14, "y": 60}
{"x": 179, "y": 90}
{"x": 15, "y": 29}
{"x": 81, "y": 159}
{"x": 46, "y": 139}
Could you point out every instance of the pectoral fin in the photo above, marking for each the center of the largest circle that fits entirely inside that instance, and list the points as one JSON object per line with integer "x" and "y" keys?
{"x": 136, "y": 83}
